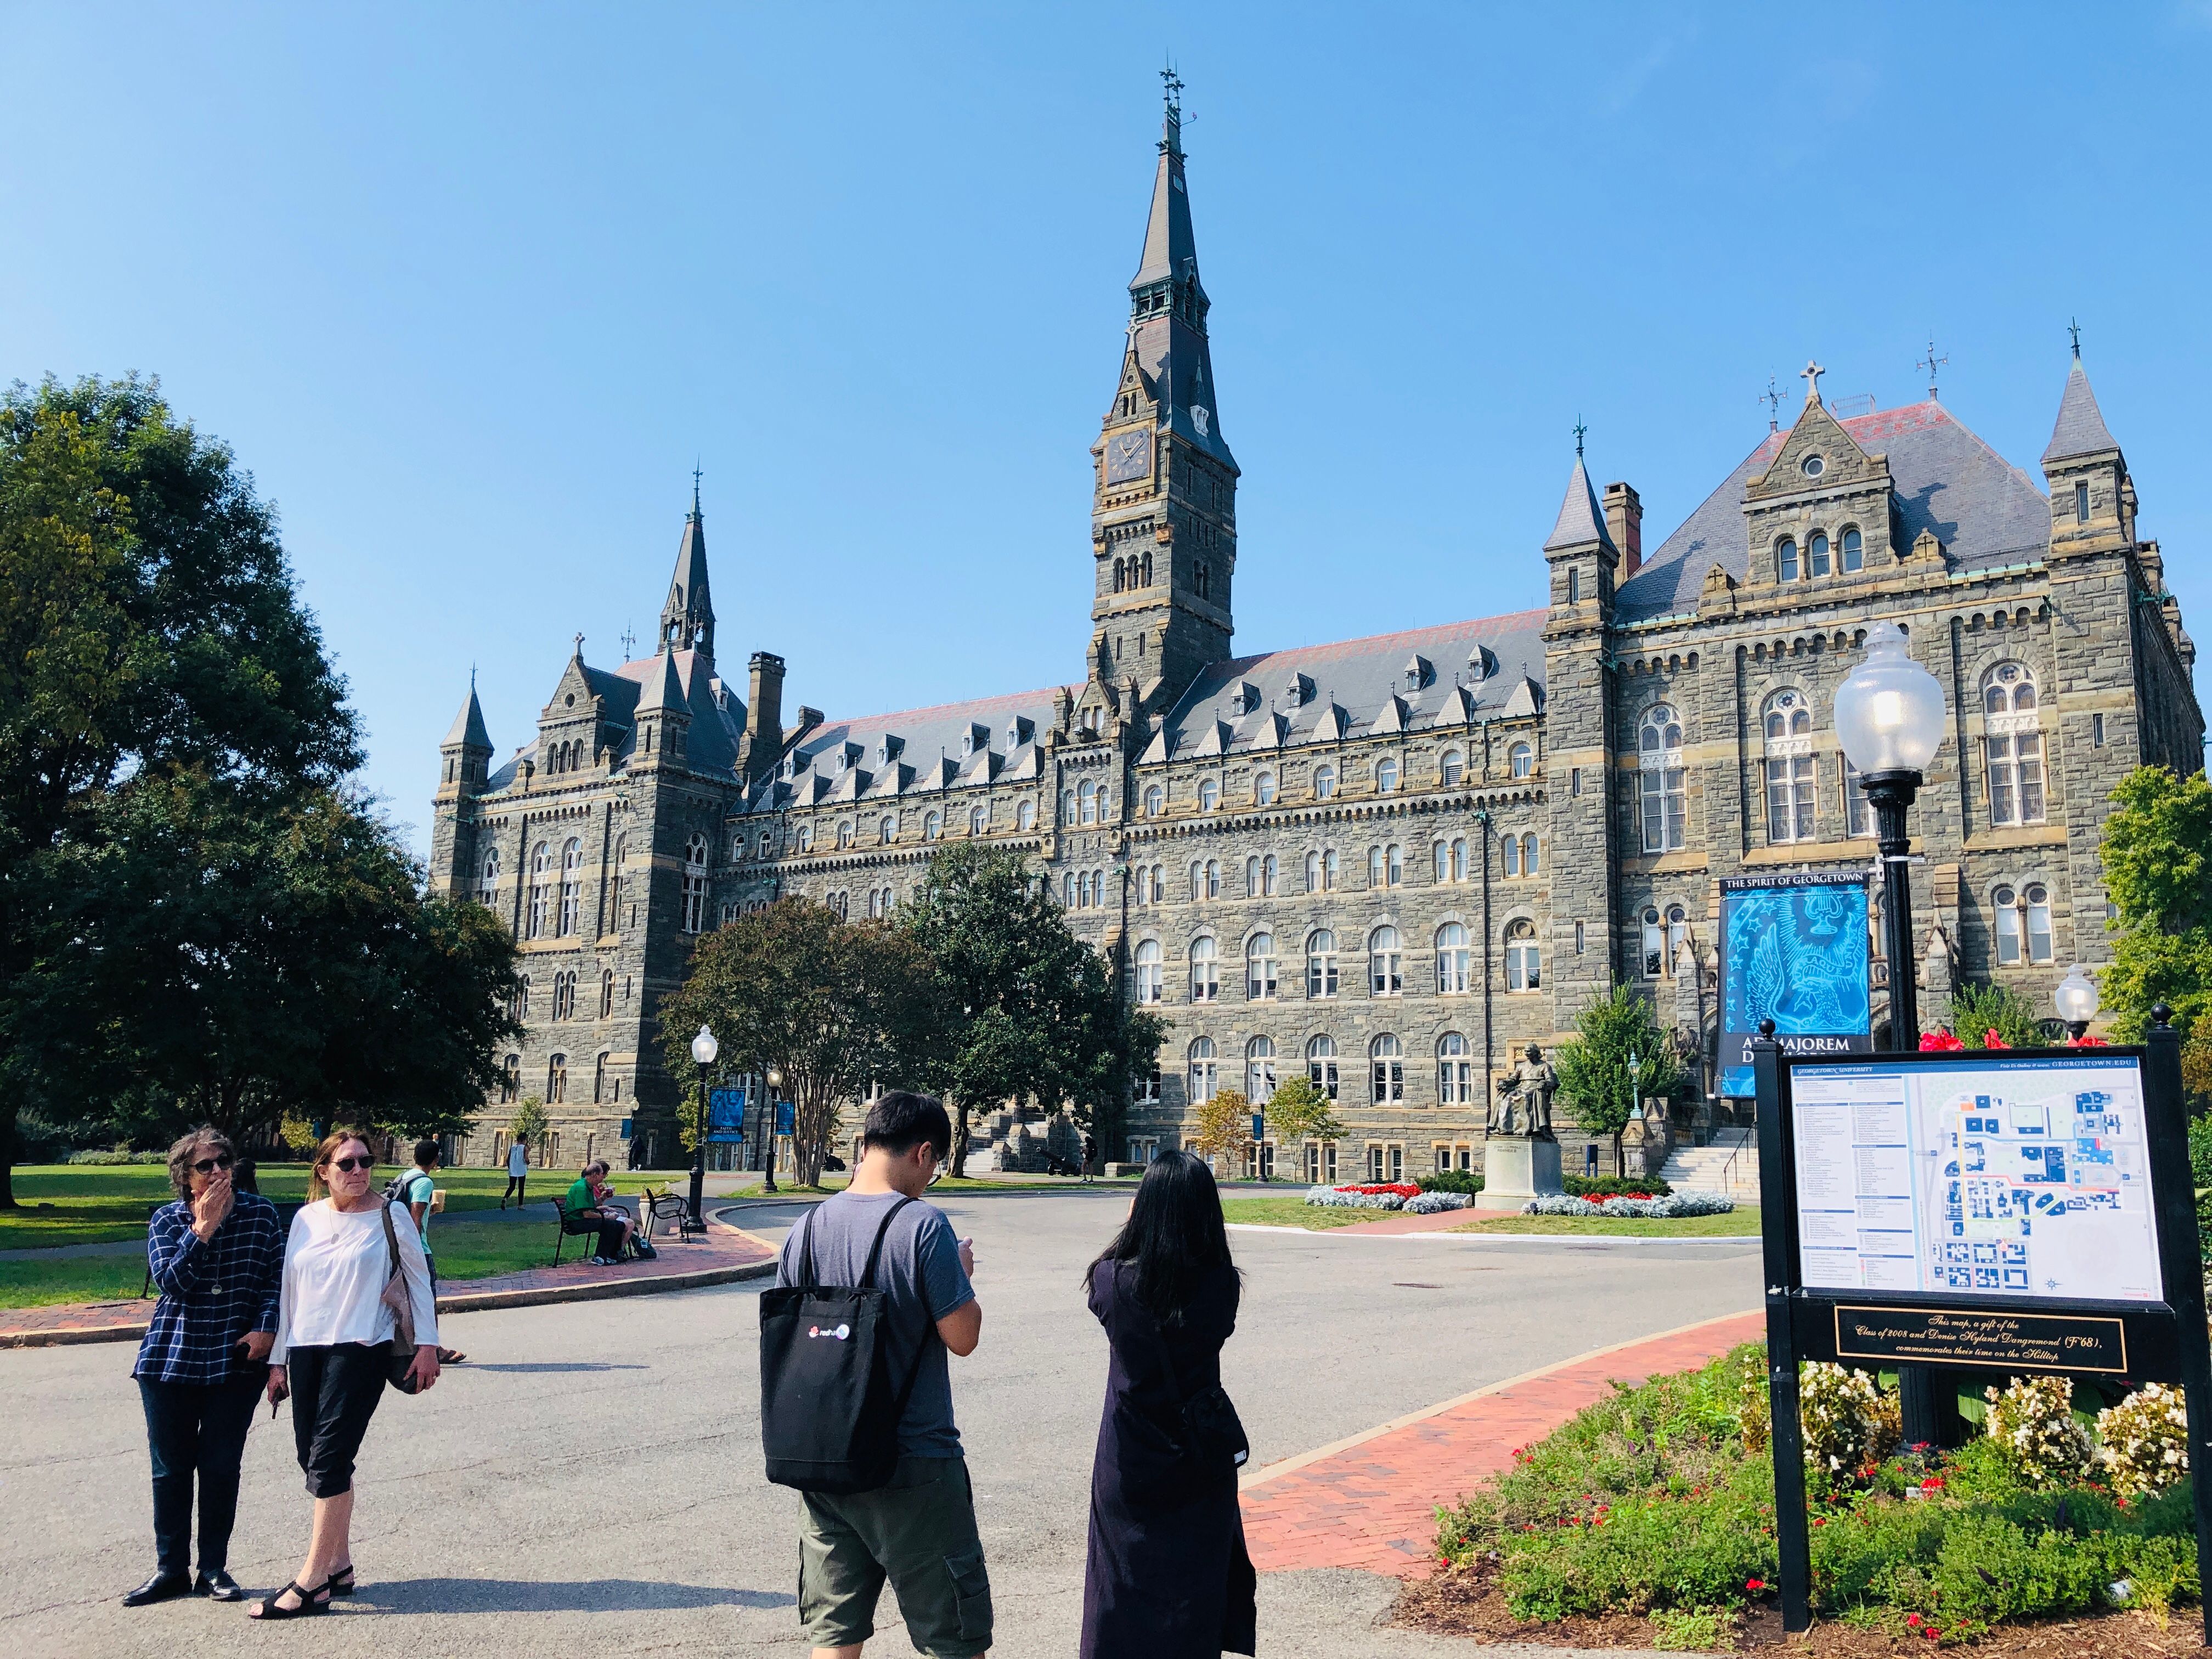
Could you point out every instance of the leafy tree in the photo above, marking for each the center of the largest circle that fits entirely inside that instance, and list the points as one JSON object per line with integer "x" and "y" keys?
{"x": 1978, "y": 1009}
{"x": 529, "y": 1122}
{"x": 1593, "y": 1064}
{"x": 1022, "y": 1007}
{"x": 149, "y": 627}
{"x": 1300, "y": 1110}
{"x": 2157, "y": 852}
{"x": 1222, "y": 1127}
{"x": 834, "y": 1005}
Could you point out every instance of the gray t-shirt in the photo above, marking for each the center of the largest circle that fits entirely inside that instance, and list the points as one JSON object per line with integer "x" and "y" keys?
{"x": 919, "y": 1252}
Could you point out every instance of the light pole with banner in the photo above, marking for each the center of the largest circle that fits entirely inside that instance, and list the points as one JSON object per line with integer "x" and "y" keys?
{"x": 1889, "y": 718}
{"x": 703, "y": 1050}
{"x": 771, "y": 1121}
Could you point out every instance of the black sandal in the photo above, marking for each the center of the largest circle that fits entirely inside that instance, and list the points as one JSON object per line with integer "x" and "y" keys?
{"x": 307, "y": 1603}
{"x": 342, "y": 1580}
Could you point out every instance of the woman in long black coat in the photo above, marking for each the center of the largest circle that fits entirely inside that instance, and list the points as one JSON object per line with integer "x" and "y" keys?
{"x": 1167, "y": 1576}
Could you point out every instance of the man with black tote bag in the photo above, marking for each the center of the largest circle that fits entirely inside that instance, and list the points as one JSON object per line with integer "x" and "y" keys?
{"x": 871, "y": 1292}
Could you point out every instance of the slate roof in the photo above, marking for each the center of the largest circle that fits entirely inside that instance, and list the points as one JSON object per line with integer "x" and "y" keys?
{"x": 952, "y": 745}
{"x": 717, "y": 714}
{"x": 2080, "y": 428}
{"x": 1580, "y": 522}
{"x": 1319, "y": 692}
{"x": 469, "y": 724}
{"x": 1984, "y": 509}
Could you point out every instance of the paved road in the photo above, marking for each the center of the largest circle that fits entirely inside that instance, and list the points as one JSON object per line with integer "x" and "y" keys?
{"x": 591, "y": 1483}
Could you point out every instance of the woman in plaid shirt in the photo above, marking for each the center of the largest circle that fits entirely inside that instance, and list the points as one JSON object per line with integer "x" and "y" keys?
{"x": 218, "y": 1257}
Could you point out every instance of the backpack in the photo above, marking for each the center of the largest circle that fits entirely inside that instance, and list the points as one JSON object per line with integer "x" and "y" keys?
{"x": 395, "y": 1190}
{"x": 830, "y": 1417}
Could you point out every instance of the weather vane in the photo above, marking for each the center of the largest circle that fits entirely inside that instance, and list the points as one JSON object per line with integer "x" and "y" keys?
{"x": 1773, "y": 398}
{"x": 2074, "y": 329}
{"x": 1579, "y": 429}
{"x": 630, "y": 641}
{"x": 1931, "y": 362}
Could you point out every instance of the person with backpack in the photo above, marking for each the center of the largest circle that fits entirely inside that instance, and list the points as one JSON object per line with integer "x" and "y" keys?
{"x": 415, "y": 1191}
{"x": 872, "y": 1291}
{"x": 1167, "y": 1575}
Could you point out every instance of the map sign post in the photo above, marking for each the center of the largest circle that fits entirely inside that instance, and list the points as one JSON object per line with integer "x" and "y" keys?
{"x": 1794, "y": 950}
{"x": 2026, "y": 1210}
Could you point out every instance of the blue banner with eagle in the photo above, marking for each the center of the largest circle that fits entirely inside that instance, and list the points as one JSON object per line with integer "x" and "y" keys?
{"x": 1794, "y": 949}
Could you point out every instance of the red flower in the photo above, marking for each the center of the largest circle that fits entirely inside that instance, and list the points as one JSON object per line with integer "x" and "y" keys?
{"x": 1938, "y": 1042}
{"x": 1932, "y": 1483}
{"x": 1913, "y": 1619}
{"x": 2086, "y": 1041}
{"x": 1991, "y": 1040}
{"x": 1754, "y": 1585}
{"x": 1820, "y": 1519}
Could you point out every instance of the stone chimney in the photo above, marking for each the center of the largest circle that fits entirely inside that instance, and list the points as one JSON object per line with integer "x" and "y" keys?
{"x": 763, "y": 741}
{"x": 1623, "y": 522}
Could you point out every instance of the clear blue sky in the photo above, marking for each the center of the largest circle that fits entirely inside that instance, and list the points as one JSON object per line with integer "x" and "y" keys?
{"x": 469, "y": 288}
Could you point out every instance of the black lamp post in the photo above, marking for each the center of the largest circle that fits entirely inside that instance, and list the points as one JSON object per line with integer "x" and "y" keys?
{"x": 1889, "y": 717}
{"x": 774, "y": 1081}
{"x": 703, "y": 1050}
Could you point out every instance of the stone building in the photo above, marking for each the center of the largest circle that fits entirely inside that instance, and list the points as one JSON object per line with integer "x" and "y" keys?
{"x": 1394, "y": 861}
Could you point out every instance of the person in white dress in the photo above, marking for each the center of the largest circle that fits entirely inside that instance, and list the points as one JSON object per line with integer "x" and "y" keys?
{"x": 333, "y": 1348}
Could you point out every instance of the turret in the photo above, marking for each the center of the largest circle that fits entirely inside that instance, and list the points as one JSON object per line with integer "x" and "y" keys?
{"x": 664, "y": 718}
{"x": 464, "y": 757}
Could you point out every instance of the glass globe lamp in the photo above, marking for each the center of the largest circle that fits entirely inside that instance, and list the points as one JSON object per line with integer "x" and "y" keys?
{"x": 704, "y": 1048}
{"x": 1889, "y": 712}
{"x": 2076, "y": 999}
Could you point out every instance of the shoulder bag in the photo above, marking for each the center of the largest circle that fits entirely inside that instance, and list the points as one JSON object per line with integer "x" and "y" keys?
{"x": 399, "y": 1366}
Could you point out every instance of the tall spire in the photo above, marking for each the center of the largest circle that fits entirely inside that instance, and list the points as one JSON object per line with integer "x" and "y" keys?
{"x": 687, "y": 621}
{"x": 1168, "y": 304}
{"x": 2080, "y": 428}
{"x": 469, "y": 731}
{"x": 1579, "y": 522}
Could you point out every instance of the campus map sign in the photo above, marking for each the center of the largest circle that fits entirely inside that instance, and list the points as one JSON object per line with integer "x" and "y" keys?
{"x": 1794, "y": 950}
{"x": 2031, "y": 1178}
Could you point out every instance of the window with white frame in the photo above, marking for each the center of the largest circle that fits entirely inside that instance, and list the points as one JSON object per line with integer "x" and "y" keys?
{"x": 1086, "y": 800}
{"x": 1320, "y": 963}
{"x": 1520, "y": 760}
{"x": 1260, "y": 1071}
{"x": 1508, "y": 854}
{"x": 846, "y": 834}
{"x": 1523, "y": 958}
{"x": 1204, "y": 1070}
{"x": 1858, "y": 811}
{"x": 1454, "y": 1074}
{"x": 541, "y": 876}
{"x": 1386, "y": 776}
{"x": 1660, "y": 780}
{"x": 1787, "y": 724}
{"x": 488, "y": 879}
{"x": 1529, "y": 853}
{"x": 1388, "y": 1057}
{"x": 1205, "y": 970}
{"x": 1853, "y": 555}
{"x": 979, "y": 820}
{"x": 694, "y": 883}
{"x": 1156, "y": 801}
{"x": 1452, "y": 959}
{"x": 1677, "y": 935}
{"x": 806, "y": 837}
{"x": 1320, "y": 1064}
{"x": 1321, "y": 870}
{"x": 2023, "y": 924}
{"x": 1451, "y": 766}
{"x": 1067, "y": 807}
{"x": 1147, "y": 1092}
{"x": 1209, "y": 794}
{"x": 932, "y": 825}
{"x": 1386, "y": 962}
{"x": 1259, "y": 968}
{"x": 1263, "y": 789}
{"x": 1024, "y": 816}
{"x": 1386, "y": 865}
{"x": 1324, "y": 782}
{"x": 2012, "y": 744}
{"x": 1149, "y": 979}
{"x": 1785, "y": 559}
{"x": 1654, "y": 943}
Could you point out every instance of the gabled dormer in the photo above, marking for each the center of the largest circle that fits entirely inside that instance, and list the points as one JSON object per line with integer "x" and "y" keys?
{"x": 569, "y": 726}
{"x": 1823, "y": 509}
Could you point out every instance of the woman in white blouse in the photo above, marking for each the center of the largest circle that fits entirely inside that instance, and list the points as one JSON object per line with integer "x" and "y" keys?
{"x": 333, "y": 1342}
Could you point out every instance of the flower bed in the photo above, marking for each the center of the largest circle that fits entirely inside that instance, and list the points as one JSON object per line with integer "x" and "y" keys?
{"x": 1658, "y": 1504}
{"x": 1672, "y": 1207}
{"x": 1437, "y": 1203}
{"x": 1615, "y": 1186}
{"x": 1388, "y": 1196}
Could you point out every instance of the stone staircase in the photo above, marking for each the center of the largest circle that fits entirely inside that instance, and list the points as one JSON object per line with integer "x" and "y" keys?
{"x": 1017, "y": 1139}
{"x": 1728, "y": 1166}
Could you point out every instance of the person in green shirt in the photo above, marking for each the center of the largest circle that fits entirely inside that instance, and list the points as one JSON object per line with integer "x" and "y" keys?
{"x": 586, "y": 1210}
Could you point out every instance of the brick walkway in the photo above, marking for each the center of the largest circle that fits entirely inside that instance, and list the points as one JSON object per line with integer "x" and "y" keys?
{"x": 1370, "y": 1502}
{"x": 725, "y": 1254}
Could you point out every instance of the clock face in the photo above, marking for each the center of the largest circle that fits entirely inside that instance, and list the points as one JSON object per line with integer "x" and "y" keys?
{"x": 1128, "y": 456}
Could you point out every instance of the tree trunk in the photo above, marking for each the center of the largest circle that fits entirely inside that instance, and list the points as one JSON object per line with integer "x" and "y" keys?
{"x": 7, "y": 1156}
{"x": 960, "y": 1141}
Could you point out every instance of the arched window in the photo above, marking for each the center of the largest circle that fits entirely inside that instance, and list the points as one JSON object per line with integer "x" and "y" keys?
{"x": 1461, "y": 867}
{"x": 2023, "y": 924}
{"x": 805, "y": 838}
{"x": 1654, "y": 943}
{"x": 1787, "y": 723}
{"x": 1386, "y": 865}
{"x": 1452, "y": 959}
{"x": 1204, "y": 1070}
{"x": 694, "y": 883}
{"x": 1025, "y": 815}
{"x": 1529, "y": 853}
{"x": 510, "y": 1080}
{"x": 1451, "y": 768}
{"x": 1213, "y": 879}
{"x": 1087, "y": 803}
{"x": 1320, "y": 1065}
{"x": 1259, "y": 968}
{"x": 1816, "y": 554}
{"x": 1260, "y": 1070}
{"x": 1066, "y": 892}
{"x": 886, "y": 830}
{"x": 845, "y": 834}
{"x": 606, "y": 992}
{"x": 932, "y": 825}
{"x": 1785, "y": 560}
{"x": 1386, "y": 962}
{"x": 598, "y": 1080}
{"x": 1263, "y": 789}
{"x": 1389, "y": 1058}
{"x": 1149, "y": 986}
{"x": 1156, "y": 801}
{"x": 572, "y": 884}
{"x": 1386, "y": 776}
{"x": 2012, "y": 745}
{"x": 1067, "y": 807}
{"x": 1660, "y": 777}
{"x": 488, "y": 880}
{"x": 2038, "y": 922}
{"x": 541, "y": 868}
{"x": 1321, "y": 870}
{"x": 1205, "y": 971}
{"x": 1455, "y": 1070}
{"x": 1509, "y": 855}
{"x": 1320, "y": 963}
{"x": 556, "y": 1079}
{"x": 1324, "y": 784}
{"x": 1854, "y": 550}
{"x": 1522, "y": 761}
{"x": 979, "y": 819}
{"x": 1209, "y": 794}
{"x": 1522, "y": 961}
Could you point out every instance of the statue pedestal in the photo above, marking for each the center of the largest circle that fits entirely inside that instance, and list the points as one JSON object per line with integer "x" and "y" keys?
{"x": 1515, "y": 1169}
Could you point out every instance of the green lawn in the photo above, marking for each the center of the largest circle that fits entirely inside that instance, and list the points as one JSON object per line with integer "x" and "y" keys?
{"x": 86, "y": 1204}
{"x": 1294, "y": 1212}
{"x": 1739, "y": 1223}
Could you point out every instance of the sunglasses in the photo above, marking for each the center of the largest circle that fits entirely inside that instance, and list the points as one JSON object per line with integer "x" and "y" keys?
{"x": 209, "y": 1165}
{"x": 348, "y": 1165}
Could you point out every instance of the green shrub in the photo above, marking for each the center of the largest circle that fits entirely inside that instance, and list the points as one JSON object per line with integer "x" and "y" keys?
{"x": 1450, "y": 1181}
{"x": 1608, "y": 1186}
{"x": 1978, "y": 1009}
{"x": 120, "y": 1155}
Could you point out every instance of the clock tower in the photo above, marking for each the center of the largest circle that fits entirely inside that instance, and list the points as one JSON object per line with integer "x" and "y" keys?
{"x": 1163, "y": 514}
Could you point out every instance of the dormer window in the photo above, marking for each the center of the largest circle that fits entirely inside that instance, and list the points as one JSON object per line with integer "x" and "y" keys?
{"x": 1813, "y": 467}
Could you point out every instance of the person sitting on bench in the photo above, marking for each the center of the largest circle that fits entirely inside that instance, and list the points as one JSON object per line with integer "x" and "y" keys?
{"x": 584, "y": 1213}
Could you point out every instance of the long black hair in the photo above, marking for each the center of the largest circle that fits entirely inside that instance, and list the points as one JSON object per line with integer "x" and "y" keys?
{"x": 1174, "y": 1235}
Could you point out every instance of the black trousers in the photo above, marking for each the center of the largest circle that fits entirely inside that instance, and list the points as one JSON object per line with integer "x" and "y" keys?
{"x": 335, "y": 1391}
{"x": 515, "y": 1185}
{"x": 610, "y": 1232}
{"x": 195, "y": 1429}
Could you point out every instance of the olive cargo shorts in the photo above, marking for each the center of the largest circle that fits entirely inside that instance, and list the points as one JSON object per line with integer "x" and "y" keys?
{"x": 919, "y": 1530}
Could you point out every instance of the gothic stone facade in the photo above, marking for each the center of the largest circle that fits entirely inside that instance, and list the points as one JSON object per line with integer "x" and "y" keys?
{"x": 1392, "y": 861}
